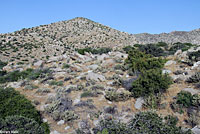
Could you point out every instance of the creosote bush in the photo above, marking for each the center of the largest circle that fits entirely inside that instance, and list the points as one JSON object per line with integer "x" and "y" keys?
{"x": 150, "y": 82}
{"x": 139, "y": 61}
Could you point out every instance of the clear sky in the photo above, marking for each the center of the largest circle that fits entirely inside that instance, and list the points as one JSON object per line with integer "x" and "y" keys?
{"x": 132, "y": 16}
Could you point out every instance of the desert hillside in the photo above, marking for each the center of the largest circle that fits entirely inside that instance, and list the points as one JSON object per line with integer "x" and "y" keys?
{"x": 81, "y": 77}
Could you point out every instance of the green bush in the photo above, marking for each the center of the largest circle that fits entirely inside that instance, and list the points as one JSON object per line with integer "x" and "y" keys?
{"x": 152, "y": 49}
{"x": 117, "y": 96}
{"x": 184, "y": 98}
{"x": 194, "y": 56}
{"x": 29, "y": 73}
{"x": 150, "y": 82}
{"x": 13, "y": 103}
{"x": 65, "y": 66}
{"x": 88, "y": 94}
{"x": 180, "y": 46}
{"x": 57, "y": 83}
{"x": 151, "y": 123}
{"x": 127, "y": 49}
{"x": 2, "y": 64}
{"x": 94, "y": 50}
{"x": 139, "y": 61}
{"x": 142, "y": 123}
{"x": 22, "y": 125}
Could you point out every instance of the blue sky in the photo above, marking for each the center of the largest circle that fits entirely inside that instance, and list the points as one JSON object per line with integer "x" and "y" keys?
{"x": 132, "y": 16}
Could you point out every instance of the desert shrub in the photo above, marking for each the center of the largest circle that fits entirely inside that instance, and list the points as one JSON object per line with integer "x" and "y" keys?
{"x": 112, "y": 127}
{"x": 128, "y": 48}
{"x": 69, "y": 116}
{"x": 153, "y": 101}
{"x": 150, "y": 82}
{"x": 117, "y": 96}
{"x": 94, "y": 50}
{"x": 13, "y": 103}
{"x": 194, "y": 78}
{"x": 152, "y": 49}
{"x": 151, "y": 123}
{"x": 39, "y": 73}
{"x": 180, "y": 46}
{"x": 57, "y": 83}
{"x": 11, "y": 76}
{"x": 194, "y": 56}
{"x": 184, "y": 98}
{"x": 2, "y": 64}
{"x": 162, "y": 44}
{"x": 43, "y": 90}
{"x": 140, "y": 61}
{"x": 2, "y": 73}
{"x": 88, "y": 94}
{"x": 21, "y": 124}
{"x": 65, "y": 66}
{"x": 142, "y": 123}
{"x": 28, "y": 73}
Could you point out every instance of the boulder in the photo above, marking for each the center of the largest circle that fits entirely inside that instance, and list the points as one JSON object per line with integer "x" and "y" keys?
{"x": 67, "y": 127}
{"x": 56, "y": 58}
{"x": 102, "y": 57}
{"x": 195, "y": 65}
{"x": 191, "y": 90}
{"x": 93, "y": 66}
{"x": 196, "y": 130}
{"x": 15, "y": 84}
{"x": 95, "y": 77}
{"x": 139, "y": 102}
{"x": 127, "y": 84}
{"x": 165, "y": 71}
{"x": 61, "y": 122}
{"x": 170, "y": 62}
{"x": 38, "y": 63}
{"x": 54, "y": 132}
{"x": 108, "y": 63}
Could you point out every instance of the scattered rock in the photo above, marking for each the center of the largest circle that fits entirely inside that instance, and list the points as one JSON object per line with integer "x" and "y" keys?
{"x": 170, "y": 62}
{"x": 108, "y": 63}
{"x": 55, "y": 132}
{"x": 195, "y": 65}
{"x": 93, "y": 67}
{"x": 38, "y": 63}
{"x": 165, "y": 71}
{"x": 127, "y": 84}
{"x": 67, "y": 127}
{"x": 15, "y": 84}
{"x": 196, "y": 130}
{"x": 61, "y": 122}
{"x": 191, "y": 90}
{"x": 139, "y": 102}
{"x": 95, "y": 77}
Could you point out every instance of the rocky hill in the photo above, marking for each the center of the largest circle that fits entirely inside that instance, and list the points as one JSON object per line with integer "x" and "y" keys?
{"x": 64, "y": 36}
{"x": 173, "y": 37}
{"x": 81, "y": 90}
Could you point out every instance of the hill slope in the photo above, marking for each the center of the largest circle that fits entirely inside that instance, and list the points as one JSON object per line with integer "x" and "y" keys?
{"x": 62, "y": 37}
